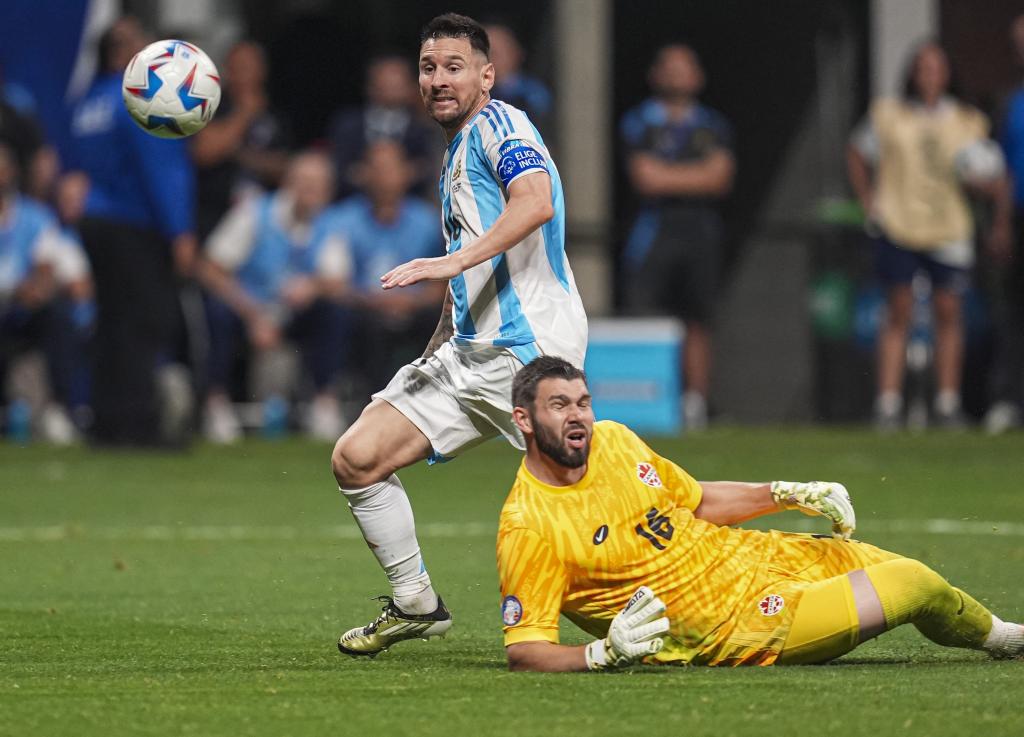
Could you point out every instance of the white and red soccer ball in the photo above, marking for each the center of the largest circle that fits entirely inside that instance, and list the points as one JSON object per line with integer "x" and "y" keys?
{"x": 171, "y": 88}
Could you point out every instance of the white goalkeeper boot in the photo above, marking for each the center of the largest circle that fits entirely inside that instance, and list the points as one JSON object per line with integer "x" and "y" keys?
{"x": 393, "y": 625}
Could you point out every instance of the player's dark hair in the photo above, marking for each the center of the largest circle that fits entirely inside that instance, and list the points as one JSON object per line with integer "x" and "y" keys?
{"x": 453, "y": 25}
{"x": 524, "y": 385}
{"x": 909, "y": 87}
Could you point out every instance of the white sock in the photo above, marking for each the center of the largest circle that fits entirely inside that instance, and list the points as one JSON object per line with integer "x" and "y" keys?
{"x": 889, "y": 403}
{"x": 947, "y": 402}
{"x": 1005, "y": 639}
{"x": 384, "y": 515}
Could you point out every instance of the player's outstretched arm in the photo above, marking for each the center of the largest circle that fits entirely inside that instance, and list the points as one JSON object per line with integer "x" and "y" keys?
{"x": 529, "y": 207}
{"x": 732, "y": 502}
{"x": 635, "y": 633}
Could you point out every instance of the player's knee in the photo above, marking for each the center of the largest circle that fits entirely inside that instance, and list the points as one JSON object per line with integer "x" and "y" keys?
{"x": 898, "y": 313}
{"x": 914, "y": 585}
{"x": 354, "y": 462}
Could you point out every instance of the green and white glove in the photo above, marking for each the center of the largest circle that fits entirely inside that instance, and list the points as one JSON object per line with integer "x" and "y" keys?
{"x": 825, "y": 498}
{"x": 634, "y": 634}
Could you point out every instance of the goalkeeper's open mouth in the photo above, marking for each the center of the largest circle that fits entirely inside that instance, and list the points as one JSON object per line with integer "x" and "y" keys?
{"x": 577, "y": 438}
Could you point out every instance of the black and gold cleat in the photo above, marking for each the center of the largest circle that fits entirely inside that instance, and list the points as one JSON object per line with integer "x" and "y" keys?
{"x": 393, "y": 625}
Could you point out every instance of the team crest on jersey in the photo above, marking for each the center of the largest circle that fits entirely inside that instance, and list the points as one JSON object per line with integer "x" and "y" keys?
{"x": 648, "y": 475}
{"x": 771, "y": 605}
{"x": 456, "y": 185}
{"x": 511, "y": 611}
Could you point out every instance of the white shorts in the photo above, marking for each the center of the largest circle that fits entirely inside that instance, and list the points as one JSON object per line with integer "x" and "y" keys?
{"x": 458, "y": 397}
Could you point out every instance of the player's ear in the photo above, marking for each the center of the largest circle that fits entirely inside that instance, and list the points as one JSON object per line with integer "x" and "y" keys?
{"x": 522, "y": 419}
{"x": 487, "y": 76}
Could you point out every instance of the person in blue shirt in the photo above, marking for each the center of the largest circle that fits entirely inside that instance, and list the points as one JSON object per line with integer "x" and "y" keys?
{"x": 512, "y": 85}
{"x": 1008, "y": 372}
{"x": 680, "y": 165}
{"x": 36, "y": 263}
{"x": 384, "y": 227}
{"x": 389, "y": 114}
{"x": 138, "y": 232}
{"x": 275, "y": 271}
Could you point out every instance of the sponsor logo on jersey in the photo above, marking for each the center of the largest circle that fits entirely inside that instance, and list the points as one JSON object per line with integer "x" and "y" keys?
{"x": 601, "y": 535}
{"x": 771, "y": 605}
{"x": 648, "y": 475}
{"x": 511, "y": 611}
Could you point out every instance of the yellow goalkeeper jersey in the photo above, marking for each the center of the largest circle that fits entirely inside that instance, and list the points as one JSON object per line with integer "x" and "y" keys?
{"x": 582, "y": 551}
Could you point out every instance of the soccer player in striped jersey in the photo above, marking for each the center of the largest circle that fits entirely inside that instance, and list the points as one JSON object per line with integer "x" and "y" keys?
{"x": 638, "y": 554}
{"x": 511, "y": 297}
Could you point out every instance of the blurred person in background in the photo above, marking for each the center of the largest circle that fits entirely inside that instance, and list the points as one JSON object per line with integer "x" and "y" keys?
{"x": 384, "y": 227}
{"x": 1008, "y": 372}
{"x": 910, "y": 163}
{"x": 271, "y": 267}
{"x": 137, "y": 229}
{"x": 392, "y": 113}
{"x": 244, "y": 149}
{"x": 20, "y": 129}
{"x": 75, "y": 279}
{"x": 680, "y": 165}
{"x": 36, "y": 266}
{"x": 511, "y": 84}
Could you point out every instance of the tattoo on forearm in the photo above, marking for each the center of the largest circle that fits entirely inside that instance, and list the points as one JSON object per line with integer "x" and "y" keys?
{"x": 445, "y": 329}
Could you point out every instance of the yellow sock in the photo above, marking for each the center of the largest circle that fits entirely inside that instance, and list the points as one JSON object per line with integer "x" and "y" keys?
{"x": 913, "y": 593}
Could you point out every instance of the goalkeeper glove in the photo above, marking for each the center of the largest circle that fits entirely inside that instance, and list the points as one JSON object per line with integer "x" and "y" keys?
{"x": 634, "y": 633}
{"x": 818, "y": 497}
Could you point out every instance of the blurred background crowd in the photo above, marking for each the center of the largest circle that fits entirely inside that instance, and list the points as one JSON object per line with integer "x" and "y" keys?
{"x": 824, "y": 193}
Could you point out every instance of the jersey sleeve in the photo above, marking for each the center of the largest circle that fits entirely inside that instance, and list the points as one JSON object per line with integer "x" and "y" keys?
{"x": 681, "y": 485}
{"x": 533, "y": 583}
{"x": 514, "y": 149}
{"x": 335, "y": 258}
{"x": 231, "y": 242}
{"x": 633, "y": 132}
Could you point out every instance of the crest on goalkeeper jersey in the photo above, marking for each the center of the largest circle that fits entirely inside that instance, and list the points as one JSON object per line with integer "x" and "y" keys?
{"x": 771, "y": 605}
{"x": 648, "y": 475}
{"x": 511, "y": 611}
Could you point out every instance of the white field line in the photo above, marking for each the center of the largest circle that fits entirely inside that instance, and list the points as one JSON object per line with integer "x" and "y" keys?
{"x": 443, "y": 530}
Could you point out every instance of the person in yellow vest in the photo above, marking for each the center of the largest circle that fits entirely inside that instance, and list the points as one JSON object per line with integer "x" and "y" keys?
{"x": 635, "y": 552}
{"x": 910, "y": 163}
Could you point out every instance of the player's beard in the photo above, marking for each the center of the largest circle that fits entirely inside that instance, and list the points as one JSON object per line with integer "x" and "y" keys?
{"x": 553, "y": 446}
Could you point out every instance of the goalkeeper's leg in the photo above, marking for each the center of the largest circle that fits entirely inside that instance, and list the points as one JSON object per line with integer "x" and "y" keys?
{"x": 836, "y": 615}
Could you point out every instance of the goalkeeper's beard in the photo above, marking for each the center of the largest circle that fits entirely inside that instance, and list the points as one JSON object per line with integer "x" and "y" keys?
{"x": 553, "y": 446}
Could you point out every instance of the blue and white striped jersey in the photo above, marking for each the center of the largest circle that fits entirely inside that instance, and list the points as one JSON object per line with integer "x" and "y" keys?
{"x": 526, "y": 298}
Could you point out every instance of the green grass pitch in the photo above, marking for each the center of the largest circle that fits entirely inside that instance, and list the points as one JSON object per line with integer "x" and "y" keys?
{"x": 202, "y": 594}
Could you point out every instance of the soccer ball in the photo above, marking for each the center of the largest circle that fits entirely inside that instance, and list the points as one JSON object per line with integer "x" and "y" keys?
{"x": 171, "y": 89}
{"x": 980, "y": 161}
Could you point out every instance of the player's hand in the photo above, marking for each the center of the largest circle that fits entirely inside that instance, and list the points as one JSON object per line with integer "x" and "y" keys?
{"x": 825, "y": 498}
{"x": 634, "y": 634}
{"x": 184, "y": 250}
{"x": 441, "y": 268}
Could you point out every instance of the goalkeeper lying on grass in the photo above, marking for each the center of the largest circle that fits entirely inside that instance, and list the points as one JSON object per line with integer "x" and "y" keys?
{"x": 635, "y": 552}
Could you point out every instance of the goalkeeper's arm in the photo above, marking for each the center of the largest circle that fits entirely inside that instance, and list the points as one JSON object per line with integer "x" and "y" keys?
{"x": 732, "y": 502}
{"x": 635, "y": 633}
